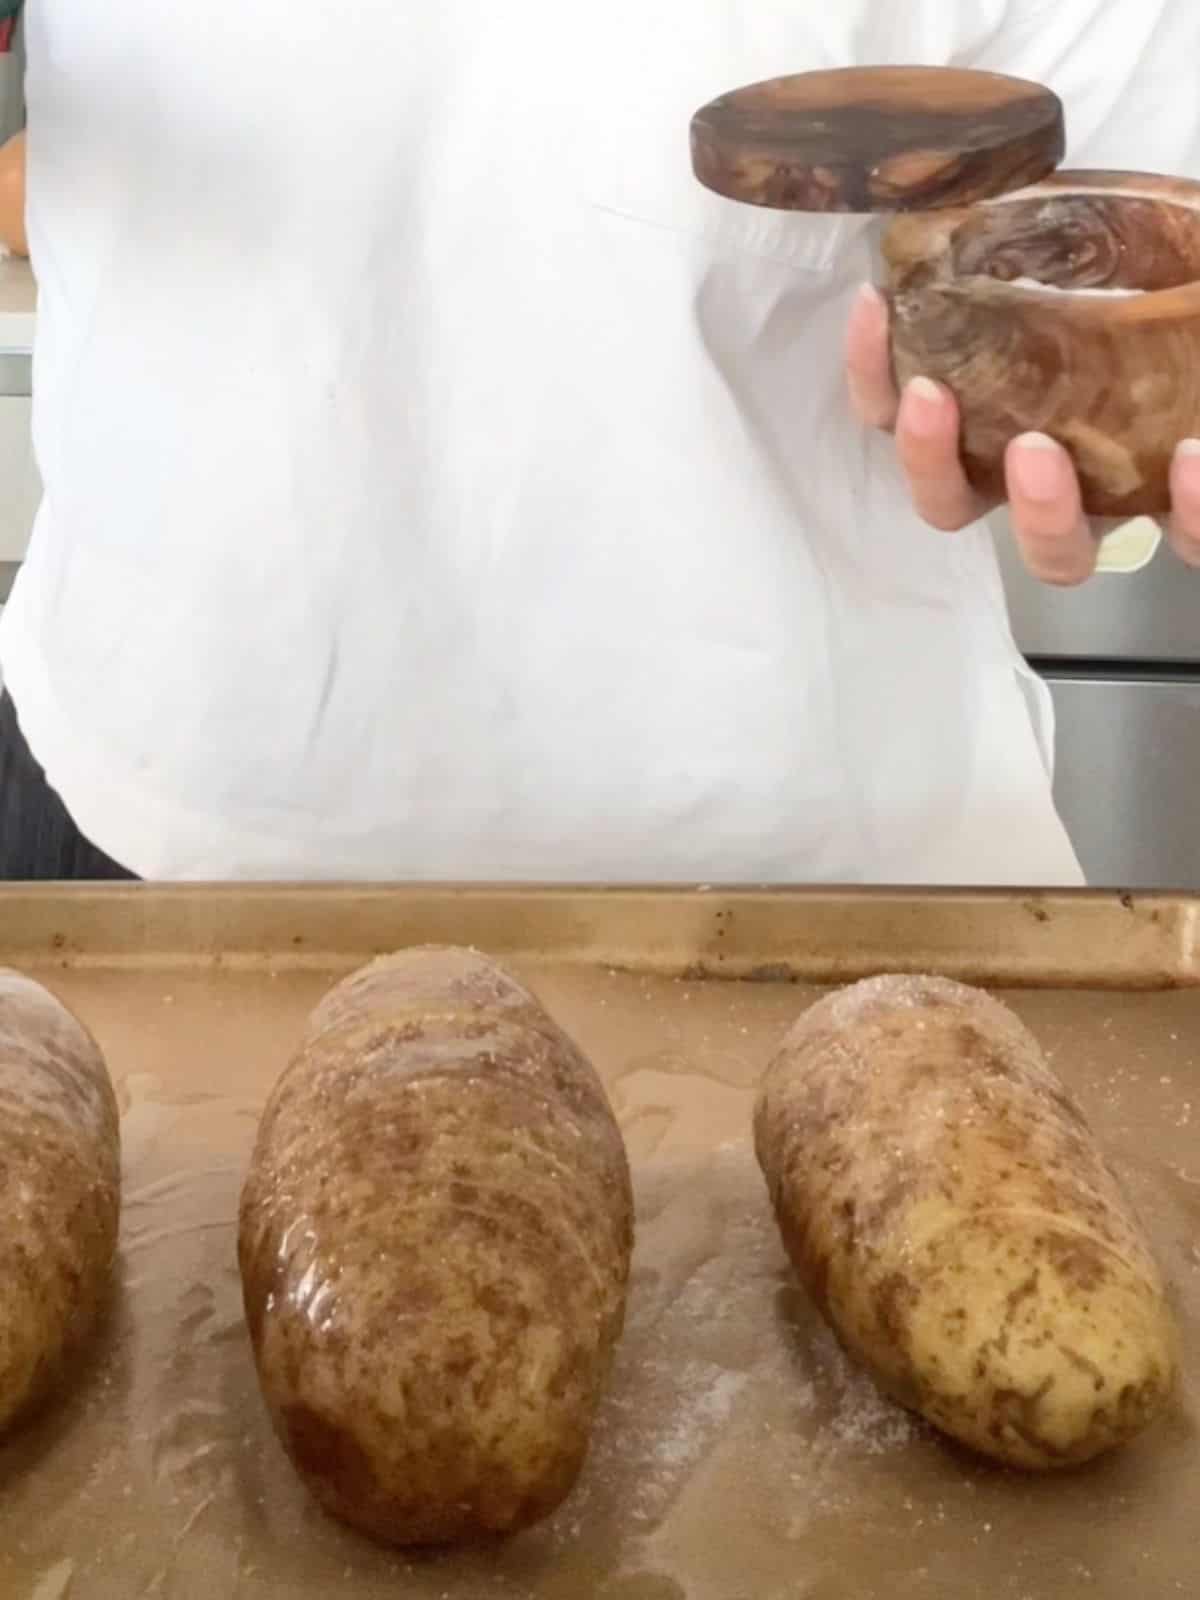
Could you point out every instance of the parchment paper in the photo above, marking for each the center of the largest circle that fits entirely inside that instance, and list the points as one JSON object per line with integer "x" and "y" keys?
{"x": 738, "y": 1456}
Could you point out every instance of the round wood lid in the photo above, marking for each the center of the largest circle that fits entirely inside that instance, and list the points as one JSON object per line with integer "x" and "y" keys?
{"x": 865, "y": 139}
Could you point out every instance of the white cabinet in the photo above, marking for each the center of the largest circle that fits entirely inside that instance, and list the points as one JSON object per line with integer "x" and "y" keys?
{"x": 20, "y": 488}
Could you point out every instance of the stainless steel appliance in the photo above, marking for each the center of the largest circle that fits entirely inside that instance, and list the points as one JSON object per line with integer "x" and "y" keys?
{"x": 1121, "y": 655}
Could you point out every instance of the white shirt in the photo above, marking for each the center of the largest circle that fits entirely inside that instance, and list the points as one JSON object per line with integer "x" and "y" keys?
{"x": 440, "y": 483}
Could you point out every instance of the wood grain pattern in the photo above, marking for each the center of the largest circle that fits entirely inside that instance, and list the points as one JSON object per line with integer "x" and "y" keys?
{"x": 867, "y": 139}
{"x": 1116, "y": 379}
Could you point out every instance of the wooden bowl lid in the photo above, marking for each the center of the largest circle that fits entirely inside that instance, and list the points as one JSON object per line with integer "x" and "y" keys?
{"x": 865, "y": 139}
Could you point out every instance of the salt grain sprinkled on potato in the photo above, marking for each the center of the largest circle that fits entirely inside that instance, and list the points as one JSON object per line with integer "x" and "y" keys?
{"x": 435, "y": 1242}
{"x": 946, "y": 1205}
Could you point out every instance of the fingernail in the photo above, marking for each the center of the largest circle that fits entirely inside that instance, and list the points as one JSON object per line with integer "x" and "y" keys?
{"x": 1187, "y": 448}
{"x": 923, "y": 406}
{"x": 1039, "y": 466}
{"x": 869, "y": 295}
{"x": 925, "y": 390}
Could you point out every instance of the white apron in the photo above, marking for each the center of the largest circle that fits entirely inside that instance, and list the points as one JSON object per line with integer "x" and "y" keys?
{"x": 439, "y": 483}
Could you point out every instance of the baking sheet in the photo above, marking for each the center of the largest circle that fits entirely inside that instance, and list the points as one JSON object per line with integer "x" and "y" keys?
{"x": 738, "y": 1456}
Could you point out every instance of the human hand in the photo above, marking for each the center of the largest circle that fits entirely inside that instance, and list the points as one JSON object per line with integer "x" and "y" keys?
{"x": 1057, "y": 542}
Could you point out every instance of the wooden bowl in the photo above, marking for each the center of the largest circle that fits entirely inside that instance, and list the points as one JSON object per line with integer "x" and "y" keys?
{"x": 1104, "y": 355}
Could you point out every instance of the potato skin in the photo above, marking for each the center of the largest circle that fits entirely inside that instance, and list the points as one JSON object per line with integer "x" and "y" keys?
{"x": 435, "y": 1239}
{"x": 60, "y": 1191}
{"x": 943, "y": 1200}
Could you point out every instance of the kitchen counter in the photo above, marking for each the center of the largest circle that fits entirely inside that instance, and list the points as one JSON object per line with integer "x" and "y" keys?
{"x": 18, "y": 303}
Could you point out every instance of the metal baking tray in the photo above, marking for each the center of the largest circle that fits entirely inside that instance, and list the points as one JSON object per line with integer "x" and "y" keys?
{"x": 738, "y": 1456}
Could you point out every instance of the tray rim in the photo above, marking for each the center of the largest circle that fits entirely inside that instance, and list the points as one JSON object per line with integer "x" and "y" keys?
{"x": 1068, "y": 938}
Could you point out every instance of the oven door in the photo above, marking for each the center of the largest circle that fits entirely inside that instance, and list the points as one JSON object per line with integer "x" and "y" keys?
{"x": 1127, "y": 774}
{"x": 1148, "y": 616}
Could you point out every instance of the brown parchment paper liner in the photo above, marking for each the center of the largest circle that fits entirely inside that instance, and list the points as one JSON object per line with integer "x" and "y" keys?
{"x": 738, "y": 1456}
